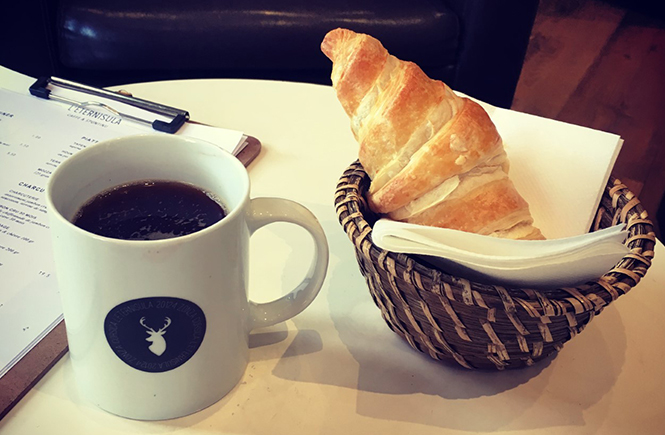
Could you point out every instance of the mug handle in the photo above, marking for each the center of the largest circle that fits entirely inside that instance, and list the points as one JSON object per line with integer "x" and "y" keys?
{"x": 263, "y": 211}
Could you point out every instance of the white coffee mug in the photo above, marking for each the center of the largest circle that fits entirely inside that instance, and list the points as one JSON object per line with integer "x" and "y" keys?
{"x": 159, "y": 329}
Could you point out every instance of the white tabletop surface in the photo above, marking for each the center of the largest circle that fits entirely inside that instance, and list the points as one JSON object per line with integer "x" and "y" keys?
{"x": 336, "y": 368}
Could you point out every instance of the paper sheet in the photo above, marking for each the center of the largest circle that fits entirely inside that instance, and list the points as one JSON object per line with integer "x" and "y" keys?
{"x": 35, "y": 137}
{"x": 560, "y": 169}
{"x": 230, "y": 140}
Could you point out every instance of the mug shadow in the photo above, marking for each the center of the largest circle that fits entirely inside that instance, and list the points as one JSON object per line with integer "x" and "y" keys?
{"x": 261, "y": 339}
{"x": 306, "y": 341}
{"x": 389, "y": 375}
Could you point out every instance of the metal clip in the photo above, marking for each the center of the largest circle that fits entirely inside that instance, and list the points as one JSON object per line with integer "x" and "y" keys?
{"x": 178, "y": 117}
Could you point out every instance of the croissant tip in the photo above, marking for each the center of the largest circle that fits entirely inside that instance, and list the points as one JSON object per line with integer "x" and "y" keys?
{"x": 330, "y": 40}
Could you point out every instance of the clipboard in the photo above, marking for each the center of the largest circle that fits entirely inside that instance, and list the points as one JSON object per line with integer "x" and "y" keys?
{"x": 25, "y": 374}
{"x": 249, "y": 149}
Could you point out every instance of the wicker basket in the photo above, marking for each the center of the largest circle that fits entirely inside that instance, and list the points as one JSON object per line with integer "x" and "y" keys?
{"x": 485, "y": 326}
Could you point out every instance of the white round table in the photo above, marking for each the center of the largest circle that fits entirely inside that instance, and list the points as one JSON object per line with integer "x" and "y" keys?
{"x": 337, "y": 368}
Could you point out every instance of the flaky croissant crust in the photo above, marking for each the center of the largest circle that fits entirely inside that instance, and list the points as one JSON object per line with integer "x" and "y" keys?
{"x": 434, "y": 158}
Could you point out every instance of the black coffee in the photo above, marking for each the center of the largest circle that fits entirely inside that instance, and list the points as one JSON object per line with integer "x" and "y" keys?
{"x": 149, "y": 210}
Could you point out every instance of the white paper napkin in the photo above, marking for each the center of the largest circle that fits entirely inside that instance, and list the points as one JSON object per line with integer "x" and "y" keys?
{"x": 560, "y": 169}
{"x": 558, "y": 262}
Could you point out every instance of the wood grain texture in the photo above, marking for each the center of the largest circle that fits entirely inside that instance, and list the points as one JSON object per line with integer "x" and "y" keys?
{"x": 565, "y": 42}
{"x": 595, "y": 64}
{"x": 33, "y": 366}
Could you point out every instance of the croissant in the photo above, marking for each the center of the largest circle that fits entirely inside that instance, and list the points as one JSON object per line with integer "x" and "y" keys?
{"x": 434, "y": 158}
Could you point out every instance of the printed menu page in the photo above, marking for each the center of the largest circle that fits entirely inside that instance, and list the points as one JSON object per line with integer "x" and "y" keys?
{"x": 35, "y": 137}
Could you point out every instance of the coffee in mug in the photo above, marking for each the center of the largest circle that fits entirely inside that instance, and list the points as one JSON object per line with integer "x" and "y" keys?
{"x": 149, "y": 210}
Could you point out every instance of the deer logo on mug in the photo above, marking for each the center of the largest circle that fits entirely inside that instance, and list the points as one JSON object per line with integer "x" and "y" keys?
{"x": 158, "y": 345}
{"x": 126, "y": 325}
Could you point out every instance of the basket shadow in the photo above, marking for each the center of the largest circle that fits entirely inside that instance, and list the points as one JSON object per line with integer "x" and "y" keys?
{"x": 396, "y": 383}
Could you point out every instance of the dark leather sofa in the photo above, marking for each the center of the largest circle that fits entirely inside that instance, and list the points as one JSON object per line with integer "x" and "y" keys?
{"x": 475, "y": 46}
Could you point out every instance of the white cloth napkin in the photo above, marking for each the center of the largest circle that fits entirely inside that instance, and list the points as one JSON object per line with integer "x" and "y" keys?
{"x": 558, "y": 262}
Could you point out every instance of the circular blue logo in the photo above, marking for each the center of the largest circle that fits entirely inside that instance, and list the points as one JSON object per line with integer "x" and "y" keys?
{"x": 155, "y": 334}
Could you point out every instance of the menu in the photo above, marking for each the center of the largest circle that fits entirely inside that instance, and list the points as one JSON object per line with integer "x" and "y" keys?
{"x": 35, "y": 137}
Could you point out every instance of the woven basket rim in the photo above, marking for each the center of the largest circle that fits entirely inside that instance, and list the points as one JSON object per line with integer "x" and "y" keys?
{"x": 593, "y": 295}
